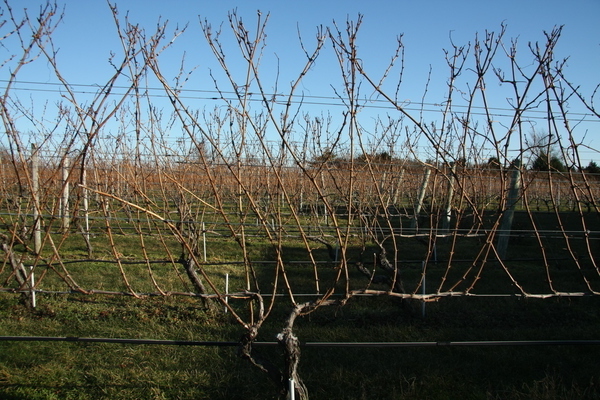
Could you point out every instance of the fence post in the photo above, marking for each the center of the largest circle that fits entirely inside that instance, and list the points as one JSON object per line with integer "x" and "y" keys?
{"x": 291, "y": 389}
{"x": 204, "y": 240}
{"x": 423, "y": 289}
{"x": 397, "y": 188}
{"x": 64, "y": 200}
{"x": 35, "y": 194}
{"x": 226, "y": 291}
{"x": 32, "y": 287}
{"x": 86, "y": 204}
{"x": 448, "y": 211}
{"x": 382, "y": 183}
{"x": 421, "y": 197}
{"x": 508, "y": 215}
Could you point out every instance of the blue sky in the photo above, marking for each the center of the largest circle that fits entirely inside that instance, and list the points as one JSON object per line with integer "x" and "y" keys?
{"x": 87, "y": 36}
{"x": 87, "y": 33}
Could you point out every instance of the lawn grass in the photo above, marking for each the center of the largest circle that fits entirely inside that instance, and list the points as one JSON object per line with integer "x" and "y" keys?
{"x": 63, "y": 370}
{"x": 67, "y": 370}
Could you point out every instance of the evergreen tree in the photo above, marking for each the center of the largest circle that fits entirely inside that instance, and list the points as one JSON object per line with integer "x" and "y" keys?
{"x": 592, "y": 168}
{"x": 546, "y": 162}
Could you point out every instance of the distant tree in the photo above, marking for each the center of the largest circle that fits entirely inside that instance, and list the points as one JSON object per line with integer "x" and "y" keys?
{"x": 328, "y": 156}
{"x": 461, "y": 162}
{"x": 548, "y": 162}
{"x": 384, "y": 156}
{"x": 557, "y": 165}
{"x": 544, "y": 147}
{"x": 378, "y": 158}
{"x": 592, "y": 168}
{"x": 493, "y": 163}
{"x": 541, "y": 162}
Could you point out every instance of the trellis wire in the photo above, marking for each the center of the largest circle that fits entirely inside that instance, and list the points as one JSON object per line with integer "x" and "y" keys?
{"x": 162, "y": 342}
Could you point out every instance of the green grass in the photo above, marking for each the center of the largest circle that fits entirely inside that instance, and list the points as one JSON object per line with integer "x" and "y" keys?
{"x": 63, "y": 370}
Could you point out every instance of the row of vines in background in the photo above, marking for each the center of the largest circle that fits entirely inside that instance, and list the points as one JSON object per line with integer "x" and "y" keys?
{"x": 399, "y": 183}
{"x": 287, "y": 202}
{"x": 174, "y": 201}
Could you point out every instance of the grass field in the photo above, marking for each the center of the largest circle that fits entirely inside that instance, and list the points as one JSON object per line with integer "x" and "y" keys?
{"x": 62, "y": 370}
{"x": 75, "y": 370}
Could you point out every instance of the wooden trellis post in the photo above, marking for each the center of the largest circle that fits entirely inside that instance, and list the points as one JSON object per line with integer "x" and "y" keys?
{"x": 448, "y": 211}
{"x": 86, "y": 203}
{"x": 35, "y": 194}
{"x": 64, "y": 200}
{"x": 398, "y": 190}
{"x": 508, "y": 215}
{"x": 420, "y": 198}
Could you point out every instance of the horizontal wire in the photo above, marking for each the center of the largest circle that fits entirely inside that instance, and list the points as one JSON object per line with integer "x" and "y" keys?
{"x": 471, "y": 343}
{"x": 333, "y": 101}
{"x": 427, "y": 297}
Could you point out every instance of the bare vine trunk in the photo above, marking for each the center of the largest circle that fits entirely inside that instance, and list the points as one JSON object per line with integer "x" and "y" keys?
{"x": 291, "y": 348}
{"x": 19, "y": 270}
{"x": 190, "y": 269}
